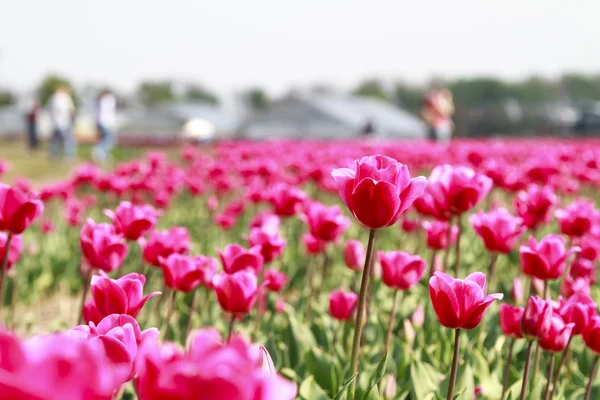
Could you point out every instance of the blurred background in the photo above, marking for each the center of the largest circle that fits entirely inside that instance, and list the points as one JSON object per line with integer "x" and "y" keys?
{"x": 262, "y": 69}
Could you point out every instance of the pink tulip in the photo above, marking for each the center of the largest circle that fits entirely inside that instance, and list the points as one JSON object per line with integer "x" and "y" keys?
{"x": 118, "y": 296}
{"x": 17, "y": 210}
{"x": 342, "y": 304}
{"x": 557, "y": 337}
{"x": 591, "y": 335}
{"x": 236, "y": 258}
{"x": 437, "y": 234}
{"x": 510, "y": 320}
{"x": 579, "y": 309}
{"x": 377, "y": 190}
{"x": 571, "y": 286}
{"x": 401, "y": 270}
{"x": 14, "y": 249}
{"x": 418, "y": 317}
{"x": 270, "y": 243}
{"x": 275, "y": 280}
{"x": 460, "y": 304}
{"x": 498, "y": 229}
{"x": 181, "y": 272}
{"x": 236, "y": 292}
{"x": 207, "y": 267}
{"x": 101, "y": 246}
{"x": 517, "y": 293}
{"x": 456, "y": 190}
{"x": 547, "y": 259}
{"x": 354, "y": 255}
{"x": 164, "y": 243}
{"x": 535, "y": 204}
{"x": 325, "y": 223}
{"x": 312, "y": 244}
{"x": 133, "y": 221}
{"x": 577, "y": 219}
{"x": 537, "y": 318}
{"x": 286, "y": 200}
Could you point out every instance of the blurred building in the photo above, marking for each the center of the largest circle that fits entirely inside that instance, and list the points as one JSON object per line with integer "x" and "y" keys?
{"x": 329, "y": 116}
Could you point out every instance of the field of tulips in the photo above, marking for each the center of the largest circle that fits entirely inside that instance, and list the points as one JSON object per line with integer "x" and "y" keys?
{"x": 306, "y": 270}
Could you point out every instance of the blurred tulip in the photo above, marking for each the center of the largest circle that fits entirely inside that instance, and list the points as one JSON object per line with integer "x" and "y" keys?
{"x": 460, "y": 304}
{"x": 133, "y": 221}
{"x": 342, "y": 304}
{"x": 378, "y": 190}
{"x": 576, "y": 220}
{"x": 325, "y": 223}
{"x": 557, "y": 337}
{"x": 235, "y": 257}
{"x": 579, "y": 309}
{"x": 101, "y": 246}
{"x": 498, "y": 229}
{"x": 17, "y": 210}
{"x": 313, "y": 245}
{"x": 591, "y": 334}
{"x": 15, "y": 249}
{"x": 181, "y": 272}
{"x": 164, "y": 243}
{"x": 354, "y": 255}
{"x": 236, "y": 292}
{"x": 510, "y": 320}
{"x": 517, "y": 293}
{"x": 437, "y": 234}
{"x": 534, "y": 205}
{"x": 401, "y": 270}
{"x": 285, "y": 199}
{"x": 410, "y": 225}
{"x": 271, "y": 245}
{"x": 275, "y": 280}
{"x": 547, "y": 259}
{"x": 418, "y": 317}
{"x": 537, "y": 318}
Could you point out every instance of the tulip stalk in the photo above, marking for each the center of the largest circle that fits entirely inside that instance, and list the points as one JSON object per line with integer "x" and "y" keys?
{"x": 192, "y": 310}
{"x": 507, "y": 369}
{"x": 492, "y": 269}
{"x": 388, "y": 336}
{"x": 4, "y": 271}
{"x": 550, "y": 372}
{"x": 561, "y": 363}
{"x": 457, "y": 250}
{"x": 86, "y": 288}
{"x": 536, "y": 363}
{"x": 432, "y": 263}
{"x": 448, "y": 246}
{"x": 588, "y": 390}
{"x": 231, "y": 325}
{"x": 169, "y": 314}
{"x": 360, "y": 313}
{"x": 526, "y": 371}
{"x": 454, "y": 370}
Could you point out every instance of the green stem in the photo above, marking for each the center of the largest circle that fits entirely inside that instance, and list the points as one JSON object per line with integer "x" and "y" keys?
{"x": 192, "y": 310}
{"x": 3, "y": 271}
{"x": 86, "y": 288}
{"x": 432, "y": 263}
{"x": 448, "y": 247}
{"x": 360, "y": 313}
{"x": 169, "y": 314}
{"x": 231, "y": 324}
{"x": 561, "y": 363}
{"x": 492, "y": 269}
{"x": 588, "y": 390}
{"x": 550, "y": 372}
{"x": 452, "y": 382}
{"x": 457, "y": 248}
{"x": 388, "y": 336}
{"x": 526, "y": 372}
{"x": 507, "y": 369}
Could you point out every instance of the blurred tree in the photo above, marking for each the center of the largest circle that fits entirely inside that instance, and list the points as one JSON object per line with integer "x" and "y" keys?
{"x": 534, "y": 89}
{"x": 49, "y": 85}
{"x": 322, "y": 88}
{"x": 199, "y": 93}
{"x": 581, "y": 87}
{"x": 409, "y": 97}
{"x": 257, "y": 99}
{"x": 479, "y": 91}
{"x": 371, "y": 88}
{"x": 151, "y": 93}
{"x": 7, "y": 98}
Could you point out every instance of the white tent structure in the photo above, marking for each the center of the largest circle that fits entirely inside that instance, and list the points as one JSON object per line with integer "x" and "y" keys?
{"x": 331, "y": 117}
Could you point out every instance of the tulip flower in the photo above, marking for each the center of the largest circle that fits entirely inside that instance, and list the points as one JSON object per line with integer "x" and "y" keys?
{"x": 583, "y": 268}
{"x": 286, "y": 200}
{"x": 325, "y": 223}
{"x": 418, "y": 317}
{"x": 510, "y": 323}
{"x": 102, "y": 246}
{"x": 275, "y": 280}
{"x": 181, "y": 272}
{"x": 577, "y": 218}
{"x": 354, "y": 255}
{"x": 164, "y": 243}
{"x": 236, "y": 292}
{"x": 133, "y": 221}
{"x": 15, "y": 248}
{"x": 378, "y": 190}
{"x": 517, "y": 292}
{"x": 535, "y": 204}
{"x": 208, "y": 369}
{"x": 342, "y": 304}
{"x": 401, "y": 270}
{"x": 547, "y": 259}
{"x": 64, "y": 367}
{"x": 118, "y": 296}
{"x": 313, "y": 245}
{"x": 410, "y": 225}
{"x": 438, "y": 237}
{"x": 17, "y": 210}
{"x": 556, "y": 340}
{"x": 236, "y": 258}
{"x": 459, "y": 304}
{"x": 591, "y": 337}
{"x": 498, "y": 229}
{"x": 271, "y": 245}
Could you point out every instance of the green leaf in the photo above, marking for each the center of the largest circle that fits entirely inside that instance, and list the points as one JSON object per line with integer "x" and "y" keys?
{"x": 300, "y": 340}
{"x": 377, "y": 377}
{"x": 320, "y": 334}
{"x": 344, "y": 388}
{"x": 424, "y": 379}
{"x": 310, "y": 390}
{"x": 465, "y": 383}
{"x": 324, "y": 368}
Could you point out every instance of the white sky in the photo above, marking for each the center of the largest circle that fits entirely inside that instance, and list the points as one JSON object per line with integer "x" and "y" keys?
{"x": 231, "y": 44}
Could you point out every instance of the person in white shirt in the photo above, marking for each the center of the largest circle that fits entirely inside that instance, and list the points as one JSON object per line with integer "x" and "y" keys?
{"x": 106, "y": 115}
{"x": 62, "y": 112}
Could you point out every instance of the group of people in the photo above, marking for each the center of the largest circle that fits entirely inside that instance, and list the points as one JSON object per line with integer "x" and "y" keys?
{"x": 62, "y": 113}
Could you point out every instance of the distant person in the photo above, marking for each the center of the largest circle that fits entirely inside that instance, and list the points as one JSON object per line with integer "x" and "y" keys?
{"x": 106, "y": 116}
{"x": 62, "y": 113}
{"x": 368, "y": 128}
{"x": 437, "y": 112}
{"x": 32, "y": 128}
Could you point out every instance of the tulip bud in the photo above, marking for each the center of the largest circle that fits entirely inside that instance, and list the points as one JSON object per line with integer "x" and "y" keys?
{"x": 517, "y": 292}
{"x": 389, "y": 387}
{"x": 409, "y": 332}
{"x": 418, "y": 317}
{"x": 266, "y": 362}
{"x": 354, "y": 255}
{"x": 342, "y": 304}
